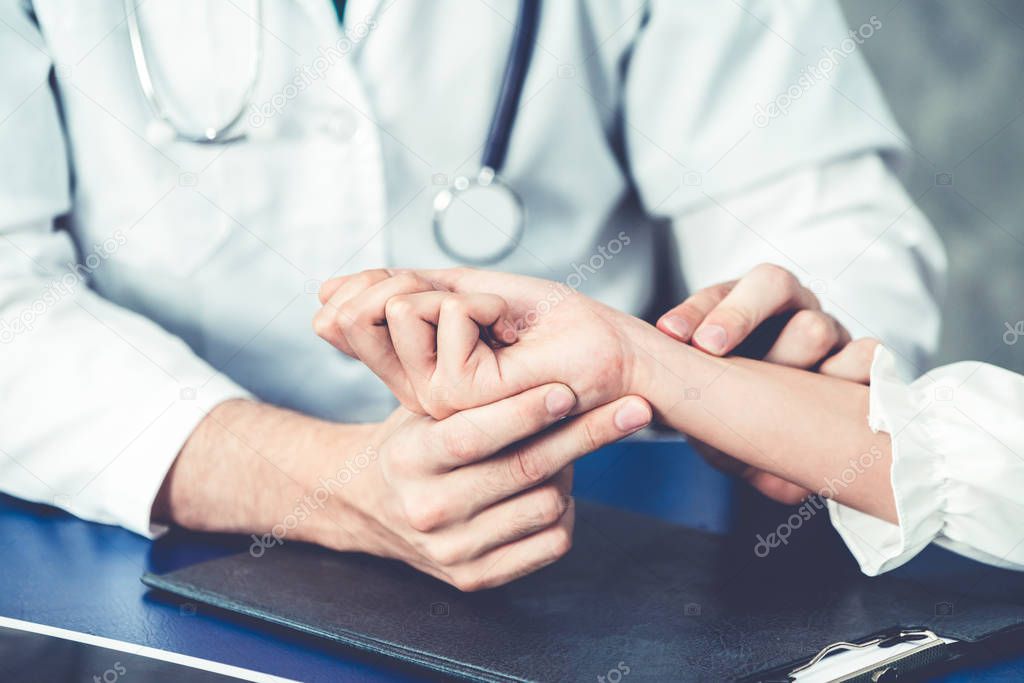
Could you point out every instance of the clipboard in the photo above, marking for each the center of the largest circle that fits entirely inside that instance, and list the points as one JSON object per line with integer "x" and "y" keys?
{"x": 637, "y": 599}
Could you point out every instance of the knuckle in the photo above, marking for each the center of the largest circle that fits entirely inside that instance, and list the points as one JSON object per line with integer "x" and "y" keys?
{"x": 347, "y": 314}
{"x": 454, "y": 306}
{"x": 527, "y": 467}
{"x": 817, "y": 330}
{"x": 561, "y": 542}
{"x": 550, "y": 506}
{"x": 777, "y": 276}
{"x": 398, "y": 306}
{"x": 457, "y": 444}
{"x": 323, "y": 323}
{"x": 407, "y": 280}
{"x": 371, "y": 276}
{"x": 424, "y": 514}
{"x": 327, "y": 286}
{"x": 590, "y": 439}
{"x": 468, "y": 582}
{"x": 442, "y": 554}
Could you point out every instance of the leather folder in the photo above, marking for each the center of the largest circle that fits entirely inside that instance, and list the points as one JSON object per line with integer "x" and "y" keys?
{"x": 636, "y": 599}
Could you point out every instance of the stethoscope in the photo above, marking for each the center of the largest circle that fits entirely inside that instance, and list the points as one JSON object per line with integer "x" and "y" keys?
{"x": 469, "y": 200}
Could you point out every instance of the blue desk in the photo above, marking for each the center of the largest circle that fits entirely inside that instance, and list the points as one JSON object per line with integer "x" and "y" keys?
{"x": 63, "y": 572}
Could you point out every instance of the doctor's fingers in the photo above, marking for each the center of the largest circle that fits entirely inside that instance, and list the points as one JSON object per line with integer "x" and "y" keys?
{"x": 765, "y": 291}
{"x": 852, "y": 362}
{"x": 505, "y": 522}
{"x": 442, "y": 339}
{"x": 532, "y": 462}
{"x": 807, "y": 339}
{"x": 517, "y": 559}
{"x": 681, "y": 321}
{"x": 476, "y": 434}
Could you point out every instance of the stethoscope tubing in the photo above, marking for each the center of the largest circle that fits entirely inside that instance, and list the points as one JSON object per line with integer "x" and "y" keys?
{"x": 516, "y": 68}
{"x": 212, "y": 135}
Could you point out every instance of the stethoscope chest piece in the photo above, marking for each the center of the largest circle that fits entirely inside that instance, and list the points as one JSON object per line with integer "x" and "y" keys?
{"x": 483, "y": 214}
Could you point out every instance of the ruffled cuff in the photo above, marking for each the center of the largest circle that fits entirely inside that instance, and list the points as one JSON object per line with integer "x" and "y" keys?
{"x": 957, "y": 466}
{"x": 917, "y": 475}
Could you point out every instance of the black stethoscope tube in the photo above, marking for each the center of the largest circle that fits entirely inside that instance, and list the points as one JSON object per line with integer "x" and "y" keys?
{"x": 523, "y": 40}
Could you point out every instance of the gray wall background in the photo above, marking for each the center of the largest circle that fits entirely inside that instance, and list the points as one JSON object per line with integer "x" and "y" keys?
{"x": 953, "y": 71}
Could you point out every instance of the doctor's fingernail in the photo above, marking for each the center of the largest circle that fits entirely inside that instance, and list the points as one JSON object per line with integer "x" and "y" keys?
{"x": 559, "y": 401}
{"x": 631, "y": 416}
{"x": 677, "y": 326}
{"x": 711, "y": 338}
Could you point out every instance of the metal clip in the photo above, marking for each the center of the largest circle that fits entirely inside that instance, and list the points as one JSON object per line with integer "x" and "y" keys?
{"x": 842, "y": 645}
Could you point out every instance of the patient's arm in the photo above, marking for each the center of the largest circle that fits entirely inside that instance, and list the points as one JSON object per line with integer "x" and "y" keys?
{"x": 803, "y": 427}
{"x": 806, "y": 428}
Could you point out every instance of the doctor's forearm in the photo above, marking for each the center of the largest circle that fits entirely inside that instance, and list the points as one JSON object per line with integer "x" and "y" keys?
{"x": 804, "y": 427}
{"x": 247, "y": 465}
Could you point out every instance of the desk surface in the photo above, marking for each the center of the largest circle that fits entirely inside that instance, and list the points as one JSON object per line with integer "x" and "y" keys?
{"x": 63, "y": 572}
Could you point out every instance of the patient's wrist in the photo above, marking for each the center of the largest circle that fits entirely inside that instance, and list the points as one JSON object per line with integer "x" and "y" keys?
{"x": 666, "y": 371}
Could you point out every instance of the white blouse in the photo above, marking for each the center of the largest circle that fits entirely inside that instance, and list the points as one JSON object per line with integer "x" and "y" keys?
{"x": 957, "y": 466}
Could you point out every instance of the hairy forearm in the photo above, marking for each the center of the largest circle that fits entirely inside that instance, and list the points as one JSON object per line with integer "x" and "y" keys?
{"x": 804, "y": 427}
{"x": 246, "y": 465}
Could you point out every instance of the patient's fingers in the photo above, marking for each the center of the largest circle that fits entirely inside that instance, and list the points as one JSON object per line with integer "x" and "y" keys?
{"x": 853, "y": 362}
{"x": 333, "y": 294}
{"x": 368, "y": 335}
{"x": 360, "y": 280}
{"x": 461, "y": 321}
{"x": 437, "y": 336}
{"x": 807, "y": 338}
{"x": 356, "y": 314}
{"x": 681, "y": 321}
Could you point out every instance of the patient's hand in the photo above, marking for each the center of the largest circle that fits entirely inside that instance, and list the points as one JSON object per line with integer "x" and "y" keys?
{"x": 453, "y": 339}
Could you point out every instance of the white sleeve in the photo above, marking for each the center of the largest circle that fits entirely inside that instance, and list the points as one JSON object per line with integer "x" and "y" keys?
{"x": 95, "y": 401}
{"x": 957, "y": 466}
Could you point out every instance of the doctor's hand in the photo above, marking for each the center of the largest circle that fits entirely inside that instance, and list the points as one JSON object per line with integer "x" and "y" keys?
{"x": 451, "y": 339}
{"x": 719, "y": 318}
{"x": 482, "y": 497}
